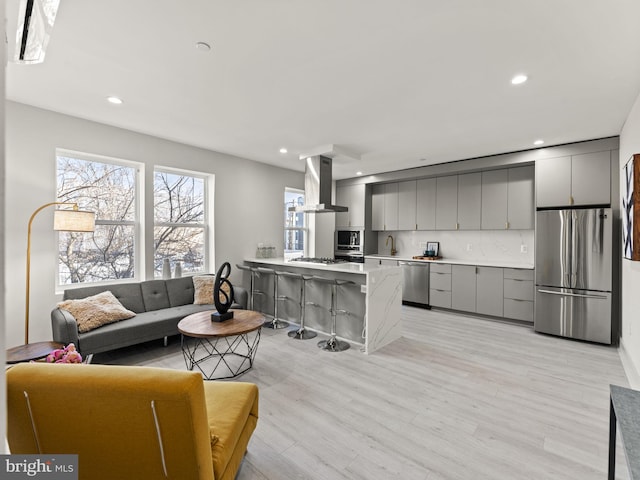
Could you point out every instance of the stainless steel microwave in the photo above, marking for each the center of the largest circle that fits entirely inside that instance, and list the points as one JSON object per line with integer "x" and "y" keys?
{"x": 349, "y": 240}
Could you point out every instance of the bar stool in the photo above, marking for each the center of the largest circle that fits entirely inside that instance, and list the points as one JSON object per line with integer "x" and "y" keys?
{"x": 253, "y": 274}
{"x": 275, "y": 323}
{"x": 333, "y": 344}
{"x": 302, "y": 333}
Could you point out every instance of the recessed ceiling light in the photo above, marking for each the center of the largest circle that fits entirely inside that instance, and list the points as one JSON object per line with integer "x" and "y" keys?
{"x": 538, "y": 142}
{"x": 283, "y": 150}
{"x": 114, "y": 100}
{"x": 203, "y": 46}
{"x": 358, "y": 173}
{"x": 518, "y": 79}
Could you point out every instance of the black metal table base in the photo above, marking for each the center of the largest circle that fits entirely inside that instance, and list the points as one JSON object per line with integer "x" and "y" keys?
{"x": 230, "y": 356}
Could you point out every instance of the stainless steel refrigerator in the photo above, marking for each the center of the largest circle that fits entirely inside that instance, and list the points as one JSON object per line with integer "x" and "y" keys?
{"x": 573, "y": 273}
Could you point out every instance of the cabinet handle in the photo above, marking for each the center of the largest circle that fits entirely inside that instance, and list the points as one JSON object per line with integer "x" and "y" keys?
{"x": 570, "y": 199}
{"x": 416, "y": 226}
{"x": 506, "y": 226}
{"x": 457, "y": 226}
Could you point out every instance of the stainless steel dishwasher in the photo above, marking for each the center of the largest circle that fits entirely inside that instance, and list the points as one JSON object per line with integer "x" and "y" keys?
{"x": 415, "y": 285}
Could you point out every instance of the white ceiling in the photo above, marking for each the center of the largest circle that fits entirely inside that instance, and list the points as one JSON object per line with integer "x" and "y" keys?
{"x": 402, "y": 83}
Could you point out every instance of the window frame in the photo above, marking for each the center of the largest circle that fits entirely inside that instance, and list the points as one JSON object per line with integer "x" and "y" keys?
{"x": 207, "y": 225}
{"x": 304, "y": 229}
{"x": 137, "y": 222}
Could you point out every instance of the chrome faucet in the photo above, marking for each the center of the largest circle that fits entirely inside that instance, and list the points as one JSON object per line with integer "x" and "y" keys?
{"x": 393, "y": 247}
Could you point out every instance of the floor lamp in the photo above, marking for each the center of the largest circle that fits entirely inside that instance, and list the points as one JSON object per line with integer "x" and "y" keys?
{"x": 73, "y": 220}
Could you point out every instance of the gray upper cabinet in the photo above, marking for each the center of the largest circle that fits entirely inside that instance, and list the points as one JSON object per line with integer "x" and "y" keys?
{"x": 384, "y": 207}
{"x": 591, "y": 178}
{"x": 447, "y": 203}
{"x": 494, "y": 199}
{"x": 578, "y": 180}
{"x": 407, "y": 203}
{"x": 520, "y": 201}
{"x": 507, "y": 199}
{"x": 553, "y": 182}
{"x": 377, "y": 207}
{"x": 463, "y": 288}
{"x": 489, "y": 291}
{"x": 426, "y": 204}
{"x": 469, "y": 201}
{"x": 352, "y": 197}
{"x": 391, "y": 206}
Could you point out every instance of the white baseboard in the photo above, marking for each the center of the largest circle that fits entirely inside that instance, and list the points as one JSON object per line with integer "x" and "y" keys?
{"x": 633, "y": 376}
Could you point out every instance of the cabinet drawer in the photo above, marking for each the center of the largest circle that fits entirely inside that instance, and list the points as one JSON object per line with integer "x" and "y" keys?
{"x": 440, "y": 281}
{"x": 518, "y": 309}
{"x": 518, "y": 289}
{"x": 439, "y": 298}
{"x": 441, "y": 267}
{"x": 518, "y": 274}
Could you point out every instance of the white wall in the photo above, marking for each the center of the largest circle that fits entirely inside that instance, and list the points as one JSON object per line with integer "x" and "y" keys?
{"x": 249, "y": 199}
{"x": 630, "y": 342}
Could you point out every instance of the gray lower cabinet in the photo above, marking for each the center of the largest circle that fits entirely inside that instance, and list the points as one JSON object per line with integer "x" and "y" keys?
{"x": 489, "y": 291}
{"x": 463, "y": 288}
{"x": 440, "y": 285}
{"x": 495, "y": 291}
{"x": 518, "y": 294}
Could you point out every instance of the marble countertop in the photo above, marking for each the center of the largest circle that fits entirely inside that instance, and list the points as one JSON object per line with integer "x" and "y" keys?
{"x": 478, "y": 263}
{"x": 335, "y": 267}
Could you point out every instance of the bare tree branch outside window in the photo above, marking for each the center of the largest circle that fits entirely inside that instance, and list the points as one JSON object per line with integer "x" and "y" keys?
{"x": 110, "y": 191}
{"x": 179, "y": 219}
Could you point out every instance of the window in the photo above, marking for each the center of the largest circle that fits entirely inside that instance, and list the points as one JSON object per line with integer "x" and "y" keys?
{"x": 294, "y": 227}
{"x": 179, "y": 221}
{"x": 108, "y": 188}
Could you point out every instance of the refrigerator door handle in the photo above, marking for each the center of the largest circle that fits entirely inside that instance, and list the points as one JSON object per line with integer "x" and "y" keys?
{"x": 564, "y": 294}
{"x": 574, "y": 249}
{"x": 565, "y": 248}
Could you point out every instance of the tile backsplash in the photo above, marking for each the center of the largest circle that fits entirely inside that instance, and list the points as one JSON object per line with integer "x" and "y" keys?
{"x": 486, "y": 245}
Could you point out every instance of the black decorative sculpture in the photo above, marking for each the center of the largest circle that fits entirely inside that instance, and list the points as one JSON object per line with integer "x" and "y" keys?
{"x": 222, "y": 307}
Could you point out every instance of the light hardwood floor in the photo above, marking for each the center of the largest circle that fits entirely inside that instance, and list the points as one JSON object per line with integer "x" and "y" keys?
{"x": 456, "y": 398}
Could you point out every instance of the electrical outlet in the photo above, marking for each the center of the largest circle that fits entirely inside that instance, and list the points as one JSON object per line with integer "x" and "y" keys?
{"x": 423, "y": 246}
{"x": 523, "y": 249}
{"x": 469, "y": 247}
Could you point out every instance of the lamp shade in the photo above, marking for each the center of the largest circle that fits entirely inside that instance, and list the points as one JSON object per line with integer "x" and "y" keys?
{"x": 74, "y": 221}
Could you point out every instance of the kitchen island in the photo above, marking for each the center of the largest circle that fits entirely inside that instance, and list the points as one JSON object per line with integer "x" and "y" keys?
{"x": 373, "y": 300}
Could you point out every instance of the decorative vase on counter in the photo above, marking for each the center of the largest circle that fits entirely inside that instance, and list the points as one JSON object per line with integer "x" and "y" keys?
{"x": 166, "y": 269}
{"x": 178, "y": 271}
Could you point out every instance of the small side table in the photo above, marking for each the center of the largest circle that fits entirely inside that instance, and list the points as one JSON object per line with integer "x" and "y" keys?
{"x": 625, "y": 412}
{"x": 31, "y": 351}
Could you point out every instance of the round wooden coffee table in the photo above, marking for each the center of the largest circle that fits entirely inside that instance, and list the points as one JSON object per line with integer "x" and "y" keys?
{"x": 221, "y": 349}
{"x": 31, "y": 351}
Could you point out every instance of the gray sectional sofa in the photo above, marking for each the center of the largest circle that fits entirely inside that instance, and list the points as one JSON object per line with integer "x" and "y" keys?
{"x": 159, "y": 306}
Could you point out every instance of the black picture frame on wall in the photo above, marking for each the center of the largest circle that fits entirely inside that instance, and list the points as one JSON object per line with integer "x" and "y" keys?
{"x": 631, "y": 209}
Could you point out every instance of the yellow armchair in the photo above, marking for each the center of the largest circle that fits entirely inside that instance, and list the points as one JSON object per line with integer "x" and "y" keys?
{"x": 131, "y": 422}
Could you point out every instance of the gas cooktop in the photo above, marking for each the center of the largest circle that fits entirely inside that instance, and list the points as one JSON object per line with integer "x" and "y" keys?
{"x": 321, "y": 260}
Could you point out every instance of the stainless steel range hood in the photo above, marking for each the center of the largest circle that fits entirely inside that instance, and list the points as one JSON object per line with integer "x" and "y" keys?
{"x": 317, "y": 187}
